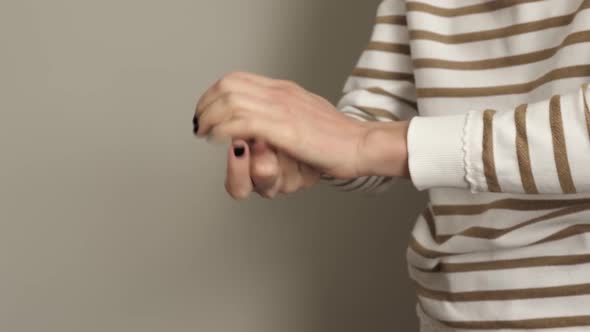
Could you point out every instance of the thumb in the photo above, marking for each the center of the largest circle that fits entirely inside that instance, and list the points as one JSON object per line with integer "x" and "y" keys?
{"x": 265, "y": 169}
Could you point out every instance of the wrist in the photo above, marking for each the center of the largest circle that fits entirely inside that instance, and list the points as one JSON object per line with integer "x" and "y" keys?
{"x": 384, "y": 149}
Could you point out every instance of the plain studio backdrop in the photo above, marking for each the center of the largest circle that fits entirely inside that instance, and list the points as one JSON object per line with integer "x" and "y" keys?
{"x": 113, "y": 217}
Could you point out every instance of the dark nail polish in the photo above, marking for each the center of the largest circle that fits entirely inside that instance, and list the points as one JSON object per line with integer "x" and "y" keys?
{"x": 239, "y": 151}
{"x": 195, "y": 124}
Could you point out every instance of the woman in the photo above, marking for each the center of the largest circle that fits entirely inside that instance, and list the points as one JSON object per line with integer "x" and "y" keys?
{"x": 483, "y": 104}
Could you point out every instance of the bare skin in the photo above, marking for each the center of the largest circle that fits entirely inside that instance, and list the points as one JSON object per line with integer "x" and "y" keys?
{"x": 286, "y": 137}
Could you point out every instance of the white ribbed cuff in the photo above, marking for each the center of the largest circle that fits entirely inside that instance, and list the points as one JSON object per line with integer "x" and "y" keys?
{"x": 435, "y": 151}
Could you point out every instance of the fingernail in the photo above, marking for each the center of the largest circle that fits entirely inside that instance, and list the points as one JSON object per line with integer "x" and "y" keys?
{"x": 239, "y": 151}
{"x": 195, "y": 124}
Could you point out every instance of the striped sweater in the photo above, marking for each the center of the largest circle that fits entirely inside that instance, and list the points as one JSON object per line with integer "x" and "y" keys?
{"x": 496, "y": 94}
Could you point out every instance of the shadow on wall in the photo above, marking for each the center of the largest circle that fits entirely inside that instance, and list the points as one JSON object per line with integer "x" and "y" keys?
{"x": 363, "y": 236}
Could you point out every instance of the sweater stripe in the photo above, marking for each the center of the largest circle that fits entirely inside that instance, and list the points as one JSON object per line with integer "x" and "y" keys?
{"x": 507, "y": 61}
{"x": 391, "y": 19}
{"x": 383, "y": 92}
{"x": 537, "y": 323}
{"x": 553, "y": 75}
{"x": 502, "y": 295}
{"x": 382, "y": 74}
{"x": 559, "y": 148}
{"x": 466, "y": 10}
{"x": 513, "y": 30}
{"x": 513, "y": 204}
{"x": 586, "y": 109}
{"x": 389, "y": 47}
{"x": 522, "y": 151}
{"x": 518, "y": 263}
{"x": 488, "y": 152}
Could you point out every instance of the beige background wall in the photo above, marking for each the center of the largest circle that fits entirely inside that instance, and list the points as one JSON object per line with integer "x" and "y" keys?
{"x": 114, "y": 218}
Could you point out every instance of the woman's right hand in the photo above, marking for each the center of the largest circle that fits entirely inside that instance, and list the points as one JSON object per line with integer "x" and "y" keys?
{"x": 258, "y": 167}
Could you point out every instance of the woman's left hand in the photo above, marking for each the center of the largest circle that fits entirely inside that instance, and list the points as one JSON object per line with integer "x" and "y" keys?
{"x": 305, "y": 126}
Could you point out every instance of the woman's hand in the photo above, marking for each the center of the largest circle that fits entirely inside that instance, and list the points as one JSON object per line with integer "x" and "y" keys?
{"x": 257, "y": 167}
{"x": 297, "y": 123}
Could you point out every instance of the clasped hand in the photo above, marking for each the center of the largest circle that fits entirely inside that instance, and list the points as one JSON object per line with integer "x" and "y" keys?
{"x": 283, "y": 137}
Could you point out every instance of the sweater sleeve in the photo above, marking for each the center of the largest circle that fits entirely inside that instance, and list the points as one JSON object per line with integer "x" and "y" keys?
{"x": 536, "y": 148}
{"x": 381, "y": 86}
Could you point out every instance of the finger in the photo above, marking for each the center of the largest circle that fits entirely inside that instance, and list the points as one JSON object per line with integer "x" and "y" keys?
{"x": 235, "y": 83}
{"x": 292, "y": 179}
{"x": 264, "y": 167}
{"x": 261, "y": 128}
{"x": 242, "y": 82}
{"x": 228, "y": 106}
{"x": 238, "y": 183}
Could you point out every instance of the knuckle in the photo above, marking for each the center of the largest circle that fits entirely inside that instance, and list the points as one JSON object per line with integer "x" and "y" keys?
{"x": 279, "y": 102}
{"x": 234, "y": 74}
{"x": 223, "y": 84}
{"x": 237, "y": 112}
{"x": 283, "y": 107}
{"x": 231, "y": 99}
{"x": 309, "y": 178}
{"x": 276, "y": 95}
{"x": 239, "y": 195}
{"x": 307, "y": 184}
{"x": 249, "y": 125}
{"x": 226, "y": 82}
{"x": 287, "y": 85}
{"x": 291, "y": 188}
{"x": 290, "y": 134}
{"x": 268, "y": 194}
{"x": 264, "y": 170}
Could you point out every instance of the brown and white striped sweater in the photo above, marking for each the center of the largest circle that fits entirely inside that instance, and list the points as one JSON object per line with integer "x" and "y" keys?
{"x": 499, "y": 133}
